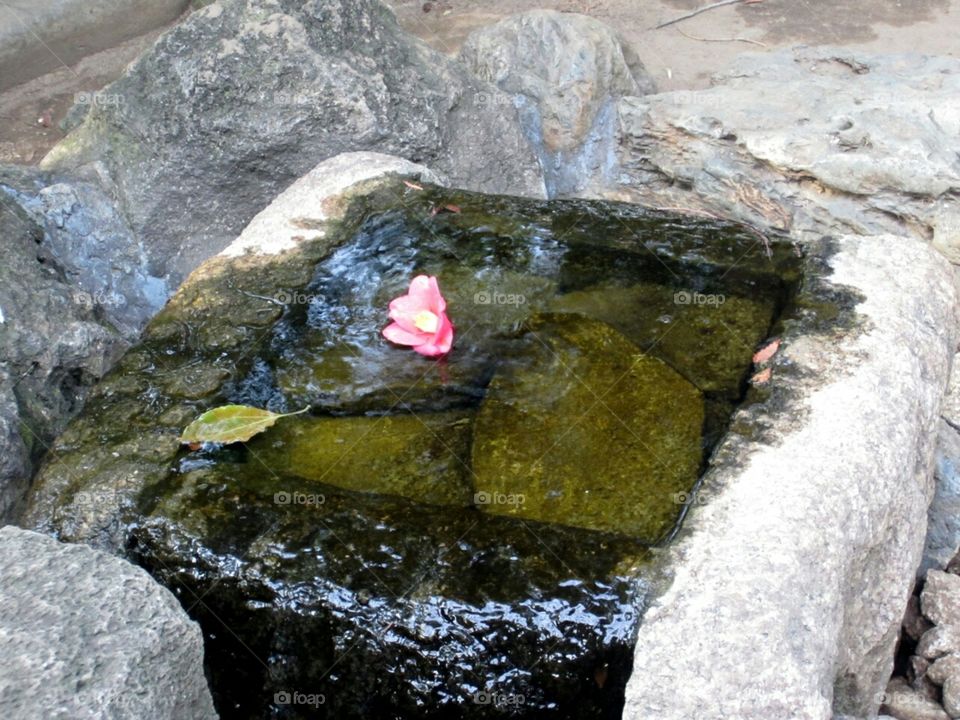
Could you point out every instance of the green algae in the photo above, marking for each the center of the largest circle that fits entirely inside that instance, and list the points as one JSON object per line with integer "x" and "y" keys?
{"x": 586, "y": 430}
{"x": 708, "y": 337}
{"x": 421, "y": 457}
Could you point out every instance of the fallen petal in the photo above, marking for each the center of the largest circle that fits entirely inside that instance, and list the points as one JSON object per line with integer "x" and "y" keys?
{"x": 395, "y": 333}
{"x": 762, "y": 377}
{"x": 767, "y": 352}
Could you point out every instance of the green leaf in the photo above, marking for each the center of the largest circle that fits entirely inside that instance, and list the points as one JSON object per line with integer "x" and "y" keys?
{"x": 230, "y": 424}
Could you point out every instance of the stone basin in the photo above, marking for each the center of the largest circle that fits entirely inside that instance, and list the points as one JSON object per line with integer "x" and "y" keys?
{"x": 467, "y": 537}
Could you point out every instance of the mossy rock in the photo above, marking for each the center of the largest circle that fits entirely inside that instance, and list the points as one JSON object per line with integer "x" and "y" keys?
{"x": 709, "y": 338}
{"x": 421, "y": 457}
{"x": 588, "y": 431}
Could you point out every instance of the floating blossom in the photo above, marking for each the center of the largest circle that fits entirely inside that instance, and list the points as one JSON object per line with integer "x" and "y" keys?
{"x": 420, "y": 319}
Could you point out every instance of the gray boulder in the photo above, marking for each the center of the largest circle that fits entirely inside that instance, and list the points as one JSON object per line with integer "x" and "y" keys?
{"x": 86, "y": 636}
{"x": 791, "y": 581}
{"x": 52, "y": 349}
{"x": 564, "y": 70}
{"x": 940, "y": 600}
{"x": 243, "y": 97}
{"x": 809, "y": 140}
{"x": 91, "y": 242}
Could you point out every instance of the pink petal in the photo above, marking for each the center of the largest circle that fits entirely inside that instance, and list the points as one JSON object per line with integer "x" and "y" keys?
{"x": 406, "y": 305}
{"x": 405, "y": 320}
{"x": 397, "y": 334}
{"x": 425, "y": 292}
{"x": 441, "y": 342}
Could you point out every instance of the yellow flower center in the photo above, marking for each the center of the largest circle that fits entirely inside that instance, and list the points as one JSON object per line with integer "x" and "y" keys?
{"x": 426, "y": 321}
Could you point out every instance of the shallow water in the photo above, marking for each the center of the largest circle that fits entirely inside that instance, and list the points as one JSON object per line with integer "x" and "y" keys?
{"x": 463, "y": 537}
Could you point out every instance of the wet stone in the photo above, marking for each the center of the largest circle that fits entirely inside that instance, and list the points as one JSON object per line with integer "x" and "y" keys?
{"x": 677, "y": 326}
{"x": 422, "y": 457}
{"x": 587, "y": 430}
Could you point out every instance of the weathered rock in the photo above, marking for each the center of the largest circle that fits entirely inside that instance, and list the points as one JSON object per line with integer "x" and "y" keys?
{"x": 904, "y": 703}
{"x": 565, "y": 70}
{"x": 543, "y": 437}
{"x": 916, "y": 672}
{"x": 86, "y": 635}
{"x": 827, "y": 649}
{"x": 938, "y": 641}
{"x": 951, "y": 695}
{"x": 52, "y": 349}
{"x": 42, "y": 36}
{"x": 240, "y": 99}
{"x": 914, "y": 623}
{"x": 91, "y": 241}
{"x": 943, "y": 517}
{"x": 940, "y": 599}
{"x": 944, "y": 667}
{"x": 811, "y": 140}
{"x": 15, "y": 466}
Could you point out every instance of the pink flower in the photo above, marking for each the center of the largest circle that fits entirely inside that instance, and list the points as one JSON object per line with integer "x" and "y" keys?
{"x": 420, "y": 320}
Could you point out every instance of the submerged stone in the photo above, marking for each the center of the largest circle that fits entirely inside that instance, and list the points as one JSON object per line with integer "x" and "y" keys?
{"x": 587, "y": 430}
{"x": 422, "y": 457}
{"x": 709, "y": 338}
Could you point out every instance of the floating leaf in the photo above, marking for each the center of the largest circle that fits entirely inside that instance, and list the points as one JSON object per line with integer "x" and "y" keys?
{"x": 767, "y": 352}
{"x": 230, "y": 424}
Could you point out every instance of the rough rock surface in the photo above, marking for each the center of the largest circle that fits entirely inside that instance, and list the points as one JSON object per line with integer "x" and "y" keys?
{"x": 40, "y": 36}
{"x": 943, "y": 517}
{"x": 92, "y": 243}
{"x": 748, "y": 550}
{"x": 85, "y": 635}
{"x": 811, "y": 140}
{"x": 565, "y": 71}
{"x": 242, "y": 98}
{"x": 940, "y": 600}
{"x": 52, "y": 349}
{"x": 904, "y": 702}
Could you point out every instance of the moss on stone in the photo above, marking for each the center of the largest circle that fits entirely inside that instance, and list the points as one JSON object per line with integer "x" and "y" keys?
{"x": 709, "y": 338}
{"x": 421, "y": 457}
{"x": 588, "y": 431}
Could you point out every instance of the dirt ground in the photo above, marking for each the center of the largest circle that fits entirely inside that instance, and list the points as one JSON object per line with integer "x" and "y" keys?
{"x": 680, "y": 57}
